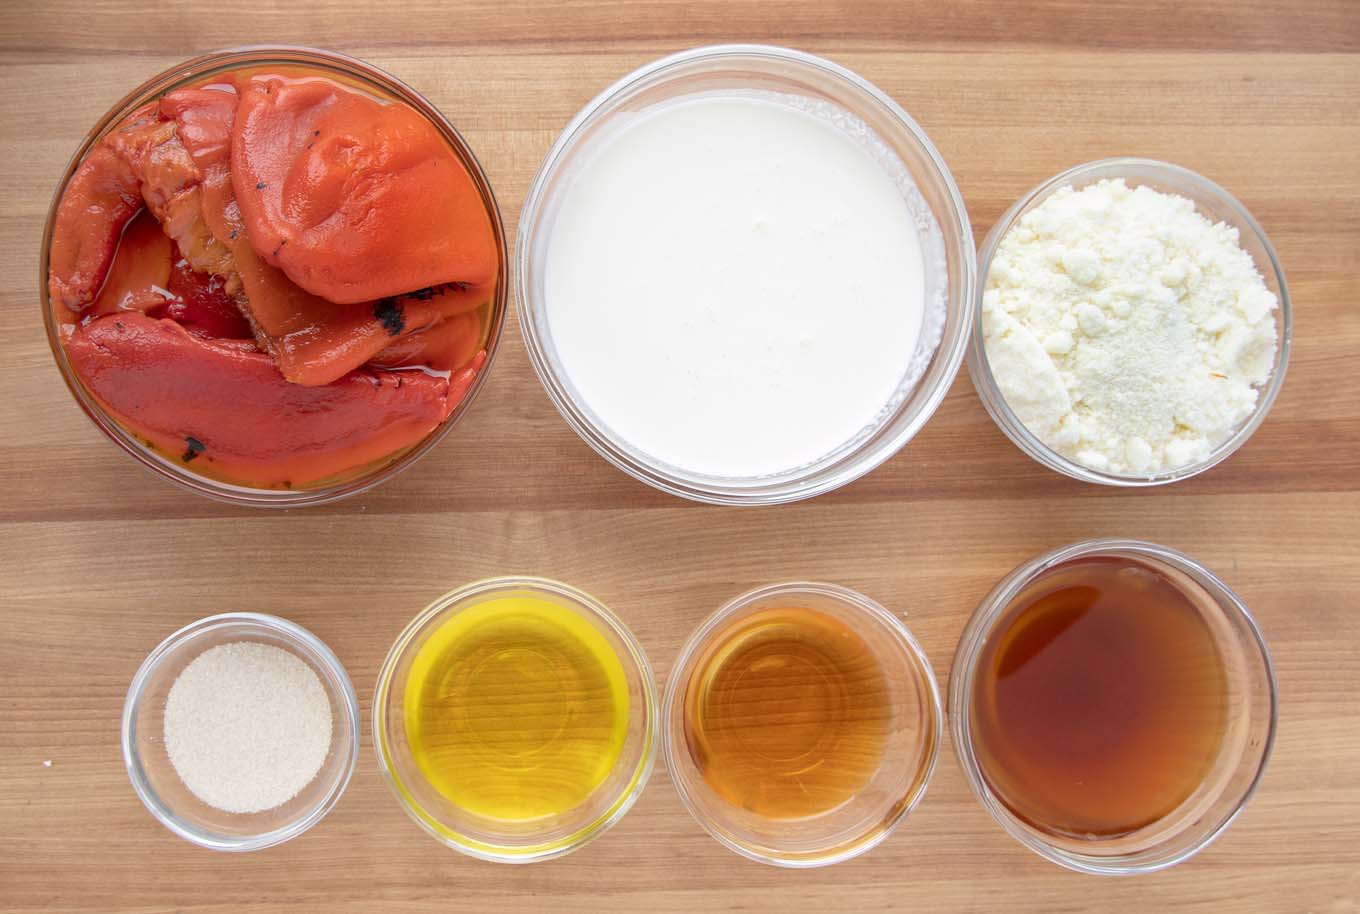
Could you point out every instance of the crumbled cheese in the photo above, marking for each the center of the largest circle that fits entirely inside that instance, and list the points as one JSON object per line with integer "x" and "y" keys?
{"x": 247, "y": 726}
{"x": 1126, "y": 330}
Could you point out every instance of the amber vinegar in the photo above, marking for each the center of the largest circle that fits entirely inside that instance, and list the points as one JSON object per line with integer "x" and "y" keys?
{"x": 1100, "y": 700}
{"x": 787, "y": 713}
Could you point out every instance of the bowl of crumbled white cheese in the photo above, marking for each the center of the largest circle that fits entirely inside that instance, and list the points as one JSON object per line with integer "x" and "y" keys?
{"x": 1133, "y": 325}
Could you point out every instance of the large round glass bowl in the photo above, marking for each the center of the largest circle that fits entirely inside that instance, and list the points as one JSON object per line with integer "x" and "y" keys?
{"x": 747, "y": 68}
{"x": 1215, "y": 204}
{"x": 1243, "y": 752}
{"x": 153, "y": 775}
{"x": 866, "y": 818}
{"x": 347, "y": 70}
{"x": 497, "y": 839}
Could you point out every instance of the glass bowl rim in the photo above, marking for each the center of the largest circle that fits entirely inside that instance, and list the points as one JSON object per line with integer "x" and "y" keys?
{"x": 337, "y": 683}
{"x": 233, "y": 493}
{"x": 980, "y": 624}
{"x": 979, "y": 366}
{"x": 620, "y": 805}
{"x": 859, "y": 603}
{"x": 821, "y": 476}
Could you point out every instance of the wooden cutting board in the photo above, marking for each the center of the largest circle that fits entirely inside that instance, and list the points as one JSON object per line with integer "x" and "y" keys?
{"x": 99, "y": 560}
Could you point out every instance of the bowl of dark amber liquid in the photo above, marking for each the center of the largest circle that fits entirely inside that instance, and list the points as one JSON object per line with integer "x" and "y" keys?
{"x": 274, "y": 276}
{"x": 1113, "y": 706}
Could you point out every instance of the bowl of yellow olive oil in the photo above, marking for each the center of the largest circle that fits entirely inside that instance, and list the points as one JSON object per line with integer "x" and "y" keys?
{"x": 516, "y": 719}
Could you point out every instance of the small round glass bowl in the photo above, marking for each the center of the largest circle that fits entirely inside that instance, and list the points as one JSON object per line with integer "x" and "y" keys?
{"x": 1215, "y": 204}
{"x": 1248, "y": 735}
{"x": 500, "y": 840}
{"x": 908, "y": 756}
{"x": 345, "y": 69}
{"x": 745, "y": 68}
{"x": 153, "y": 776}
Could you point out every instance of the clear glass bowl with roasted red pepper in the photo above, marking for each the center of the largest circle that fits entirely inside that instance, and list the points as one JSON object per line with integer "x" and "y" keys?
{"x": 275, "y": 276}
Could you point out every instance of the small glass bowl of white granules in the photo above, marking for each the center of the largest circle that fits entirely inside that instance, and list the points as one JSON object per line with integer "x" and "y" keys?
{"x": 240, "y": 731}
{"x": 1133, "y": 323}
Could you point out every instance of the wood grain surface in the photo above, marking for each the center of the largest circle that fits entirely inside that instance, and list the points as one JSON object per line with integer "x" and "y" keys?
{"x": 101, "y": 560}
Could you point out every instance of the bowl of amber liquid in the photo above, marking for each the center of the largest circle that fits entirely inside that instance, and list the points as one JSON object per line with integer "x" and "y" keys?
{"x": 288, "y": 366}
{"x": 802, "y": 724}
{"x": 515, "y": 719}
{"x": 1113, "y": 706}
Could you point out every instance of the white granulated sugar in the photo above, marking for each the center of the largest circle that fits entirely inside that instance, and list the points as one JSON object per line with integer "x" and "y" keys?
{"x": 247, "y": 726}
{"x": 1125, "y": 330}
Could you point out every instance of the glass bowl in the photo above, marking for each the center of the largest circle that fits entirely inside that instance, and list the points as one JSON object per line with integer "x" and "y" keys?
{"x": 747, "y": 68}
{"x": 347, "y": 69}
{"x": 500, "y": 840}
{"x": 153, "y": 776}
{"x": 914, "y": 730}
{"x": 1211, "y": 201}
{"x": 1247, "y": 740}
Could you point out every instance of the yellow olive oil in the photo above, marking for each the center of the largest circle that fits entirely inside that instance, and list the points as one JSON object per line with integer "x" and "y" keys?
{"x": 516, "y": 709}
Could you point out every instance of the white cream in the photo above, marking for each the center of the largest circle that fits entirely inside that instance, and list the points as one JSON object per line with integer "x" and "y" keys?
{"x": 735, "y": 284}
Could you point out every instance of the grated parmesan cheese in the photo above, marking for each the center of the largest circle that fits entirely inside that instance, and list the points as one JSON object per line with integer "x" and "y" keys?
{"x": 1125, "y": 330}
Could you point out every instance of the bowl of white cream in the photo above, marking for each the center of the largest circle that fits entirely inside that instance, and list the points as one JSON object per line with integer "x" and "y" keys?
{"x": 745, "y": 275}
{"x": 1133, "y": 324}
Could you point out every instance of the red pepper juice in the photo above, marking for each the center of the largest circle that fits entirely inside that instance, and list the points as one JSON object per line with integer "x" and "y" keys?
{"x": 1099, "y": 704}
{"x": 275, "y": 276}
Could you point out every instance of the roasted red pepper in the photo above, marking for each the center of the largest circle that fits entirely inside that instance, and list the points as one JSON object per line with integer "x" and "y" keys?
{"x": 200, "y": 302}
{"x": 460, "y": 382}
{"x": 139, "y": 277}
{"x": 170, "y": 190}
{"x": 448, "y": 345}
{"x": 235, "y": 367}
{"x": 354, "y": 198}
{"x": 203, "y": 119}
{"x": 227, "y": 411}
{"x": 313, "y": 340}
{"x": 100, "y": 199}
{"x": 141, "y": 162}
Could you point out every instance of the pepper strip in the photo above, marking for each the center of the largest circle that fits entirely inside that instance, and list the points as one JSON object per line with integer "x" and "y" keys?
{"x": 225, "y": 409}
{"x": 100, "y": 199}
